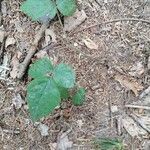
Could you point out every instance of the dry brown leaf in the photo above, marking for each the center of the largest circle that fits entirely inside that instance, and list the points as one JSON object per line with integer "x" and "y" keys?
{"x": 129, "y": 83}
{"x": 90, "y": 44}
{"x": 17, "y": 101}
{"x": 63, "y": 142}
{"x": 74, "y": 21}
{"x": 15, "y": 65}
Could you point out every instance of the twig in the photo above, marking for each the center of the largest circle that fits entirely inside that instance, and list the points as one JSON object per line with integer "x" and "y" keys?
{"x": 137, "y": 106}
{"x": 23, "y": 66}
{"x": 111, "y": 21}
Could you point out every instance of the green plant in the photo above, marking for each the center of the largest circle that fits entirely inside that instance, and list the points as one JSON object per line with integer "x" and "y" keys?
{"x": 49, "y": 86}
{"x": 108, "y": 144}
{"x": 45, "y": 10}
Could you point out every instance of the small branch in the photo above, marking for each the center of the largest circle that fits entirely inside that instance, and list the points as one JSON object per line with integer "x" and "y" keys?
{"x": 111, "y": 21}
{"x": 138, "y": 107}
{"x": 23, "y": 66}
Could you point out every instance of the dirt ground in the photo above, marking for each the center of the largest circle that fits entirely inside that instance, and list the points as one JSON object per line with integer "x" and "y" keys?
{"x": 114, "y": 75}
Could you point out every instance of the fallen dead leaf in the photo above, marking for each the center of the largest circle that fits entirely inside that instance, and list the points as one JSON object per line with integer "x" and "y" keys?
{"x": 72, "y": 22}
{"x": 41, "y": 54}
{"x": 43, "y": 129}
{"x": 9, "y": 41}
{"x": 132, "y": 128}
{"x": 137, "y": 69}
{"x": 63, "y": 142}
{"x": 129, "y": 83}
{"x": 17, "y": 101}
{"x": 90, "y": 44}
{"x": 15, "y": 65}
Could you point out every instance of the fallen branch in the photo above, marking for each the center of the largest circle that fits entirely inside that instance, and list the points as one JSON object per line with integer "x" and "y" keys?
{"x": 23, "y": 66}
{"x": 138, "y": 107}
{"x": 111, "y": 21}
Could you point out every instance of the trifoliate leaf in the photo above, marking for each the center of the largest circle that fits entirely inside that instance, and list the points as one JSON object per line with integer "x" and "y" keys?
{"x": 40, "y": 68}
{"x": 79, "y": 97}
{"x": 64, "y": 92}
{"x": 39, "y": 10}
{"x": 42, "y": 96}
{"x": 64, "y": 76}
{"x": 66, "y": 7}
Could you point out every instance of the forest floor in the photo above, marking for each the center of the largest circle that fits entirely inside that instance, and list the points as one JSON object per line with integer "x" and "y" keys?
{"x": 111, "y": 60}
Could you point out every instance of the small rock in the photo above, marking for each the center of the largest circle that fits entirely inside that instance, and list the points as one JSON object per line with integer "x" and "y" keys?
{"x": 114, "y": 109}
{"x": 43, "y": 129}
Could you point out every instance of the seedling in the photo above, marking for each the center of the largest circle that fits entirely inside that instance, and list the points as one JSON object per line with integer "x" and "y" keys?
{"x": 50, "y": 85}
{"x": 45, "y": 10}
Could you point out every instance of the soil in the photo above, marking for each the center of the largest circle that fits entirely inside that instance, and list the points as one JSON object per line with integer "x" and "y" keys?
{"x": 121, "y": 45}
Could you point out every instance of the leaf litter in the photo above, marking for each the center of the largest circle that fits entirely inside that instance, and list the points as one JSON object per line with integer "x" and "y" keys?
{"x": 129, "y": 83}
{"x": 63, "y": 142}
{"x": 104, "y": 14}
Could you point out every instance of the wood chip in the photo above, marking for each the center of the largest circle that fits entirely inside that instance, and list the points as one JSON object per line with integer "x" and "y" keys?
{"x": 129, "y": 83}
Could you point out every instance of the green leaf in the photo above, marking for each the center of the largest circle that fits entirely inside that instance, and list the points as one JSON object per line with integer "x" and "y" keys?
{"x": 39, "y": 10}
{"x": 79, "y": 97}
{"x": 108, "y": 144}
{"x": 40, "y": 68}
{"x": 64, "y": 92}
{"x": 66, "y": 7}
{"x": 64, "y": 76}
{"x": 43, "y": 97}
